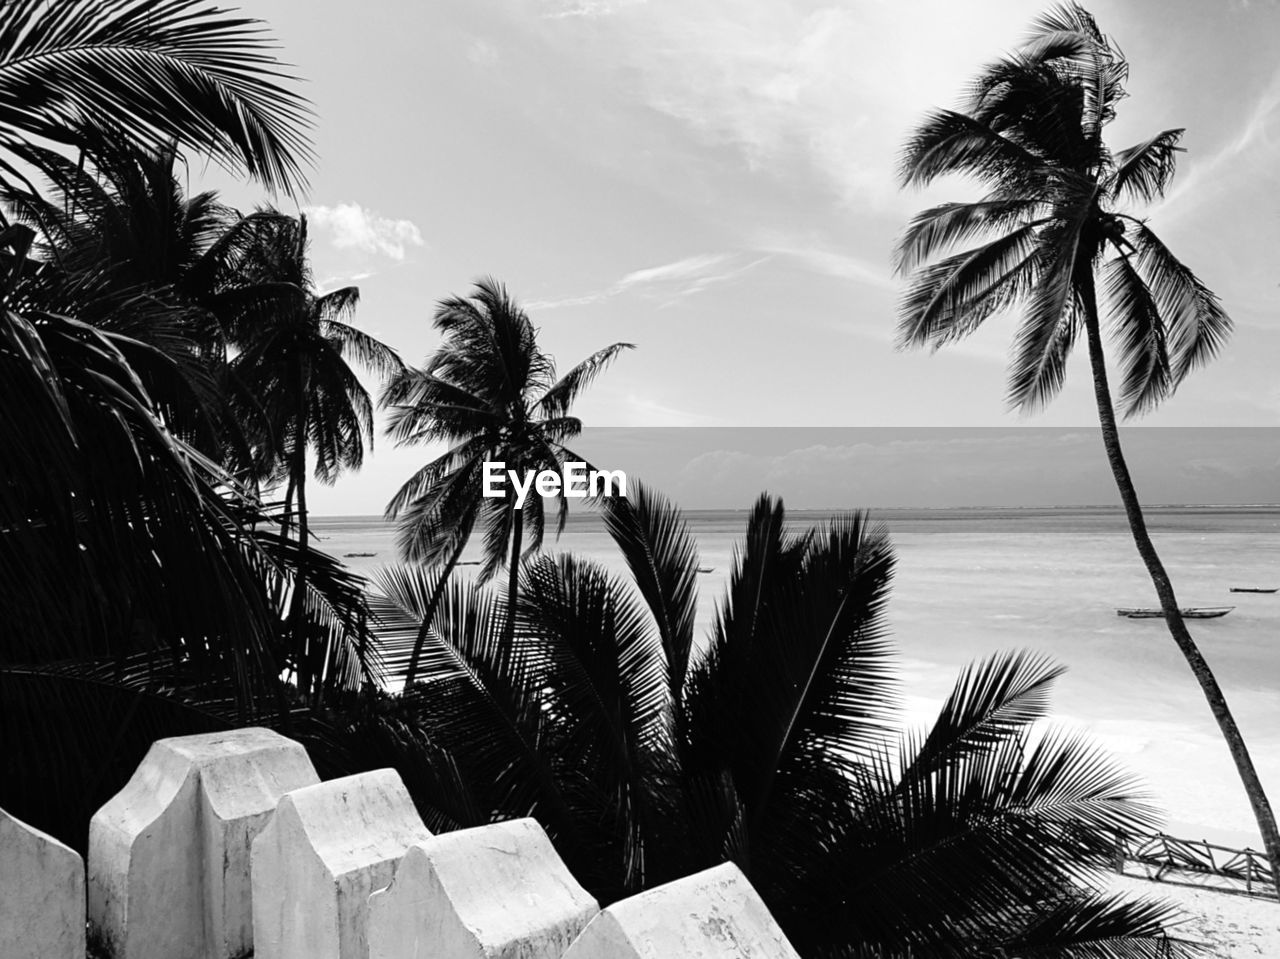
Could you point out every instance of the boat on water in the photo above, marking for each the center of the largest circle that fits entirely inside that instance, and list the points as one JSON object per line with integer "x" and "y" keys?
{"x": 1254, "y": 589}
{"x": 706, "y": 569}
{"x": 1188, "y": 612}
{"x": 359, "y": 554}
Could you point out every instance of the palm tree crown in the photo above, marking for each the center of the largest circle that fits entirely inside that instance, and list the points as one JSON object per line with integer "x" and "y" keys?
{"x": 492, "y": 394}
{"x": 1053, "y": 223}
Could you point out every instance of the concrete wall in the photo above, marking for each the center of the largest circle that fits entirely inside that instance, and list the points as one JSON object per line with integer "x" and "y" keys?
{"x": 169, "y": 854}
{"x": 222, "y": 845}
{"x": 41, "y": 895}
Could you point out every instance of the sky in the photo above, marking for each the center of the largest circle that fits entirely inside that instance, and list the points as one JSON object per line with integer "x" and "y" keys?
{"x": 714, "y": 182}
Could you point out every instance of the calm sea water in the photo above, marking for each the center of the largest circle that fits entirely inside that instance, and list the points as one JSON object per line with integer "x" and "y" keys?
{"x": 972, "y": 582}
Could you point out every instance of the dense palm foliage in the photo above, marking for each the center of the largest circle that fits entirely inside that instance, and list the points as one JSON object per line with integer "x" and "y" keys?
{"x": 491, "y": 394}
{"x": 294, "y": 345}
{"x": 1053, "y": 232}
{"x": 774, "y": 745}
{"x": 141, "y": 579}
{"x": 164, "y": 69}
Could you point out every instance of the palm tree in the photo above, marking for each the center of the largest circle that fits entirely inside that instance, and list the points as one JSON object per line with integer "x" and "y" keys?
{"x": 1054, "y": 230}
{"x": 294, "y": 349}
{"x": 491, "y": 393}
{"x": 127, "y": 251}
{"x": 776, "y": 746}
{"x": 141, "y": 583}
{"x": 162, "y": 69}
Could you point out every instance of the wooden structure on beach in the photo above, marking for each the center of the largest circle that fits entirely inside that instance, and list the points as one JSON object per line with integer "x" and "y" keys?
{"x": 1198, "y": 863}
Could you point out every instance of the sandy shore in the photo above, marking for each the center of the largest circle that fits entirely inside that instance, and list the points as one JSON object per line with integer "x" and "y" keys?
{"x": 1230, "y": 926}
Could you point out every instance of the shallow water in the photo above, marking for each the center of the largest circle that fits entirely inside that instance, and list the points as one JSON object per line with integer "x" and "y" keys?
{"x": 970, "y": 582}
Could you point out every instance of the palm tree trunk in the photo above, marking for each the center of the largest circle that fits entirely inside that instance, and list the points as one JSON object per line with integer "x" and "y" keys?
{"x": 1164, "y": 590}
{"x": 429, "y": 613}
{"x": 296, "y": 609}
{"x": 513, "y": 576}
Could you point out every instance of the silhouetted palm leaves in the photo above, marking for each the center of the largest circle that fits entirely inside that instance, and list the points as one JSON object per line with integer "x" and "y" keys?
{"x": 492, "y": 394}
{"x": 778, "y": 749}
{"x": 163, "y": 69}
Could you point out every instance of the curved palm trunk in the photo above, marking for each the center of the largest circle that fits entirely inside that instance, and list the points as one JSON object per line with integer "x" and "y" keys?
{"x": 1168, "y": 602}
{"x": 296, "y": 610}
{"x": 429, "y": 613}
{"x": 513, "y": 576}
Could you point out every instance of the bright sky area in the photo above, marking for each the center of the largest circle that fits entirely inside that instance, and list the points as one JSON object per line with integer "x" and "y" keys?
{"x": 715, "y": 182}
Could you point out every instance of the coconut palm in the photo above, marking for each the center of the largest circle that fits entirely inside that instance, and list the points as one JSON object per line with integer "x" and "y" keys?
{"x": 295, "y": 346}
{"x": 492, "y": 394}
{"x": 776, "y": 746}
{"x": 1054, "y": 234}
{"x": 126, "y": 250}
{"x": 162, "y": 69}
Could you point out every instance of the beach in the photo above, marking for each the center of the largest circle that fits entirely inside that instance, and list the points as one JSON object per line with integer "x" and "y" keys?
{"x": 1227, "y": 926}
{"x": 971, "y": 582}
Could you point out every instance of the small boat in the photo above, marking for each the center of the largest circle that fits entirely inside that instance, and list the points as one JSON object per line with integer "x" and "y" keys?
{"x": 359, "y": 554}
{"x": 1188, "y": 612}
{"x": 706, "y": 569}
{"x": 468, "y": 562}
{"x": 1254, "y": 589}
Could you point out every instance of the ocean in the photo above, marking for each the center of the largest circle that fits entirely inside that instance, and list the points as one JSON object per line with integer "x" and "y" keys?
{"x": 971, "y": 582}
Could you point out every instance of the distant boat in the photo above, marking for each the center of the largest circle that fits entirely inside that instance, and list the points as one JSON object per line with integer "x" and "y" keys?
{"x": 1254, "y": 589}
{"x": 706, "y": 569}
{"x": 359, "y": 554}
{"x": 1189, "y": 612}
{"x": 468, "y": 562}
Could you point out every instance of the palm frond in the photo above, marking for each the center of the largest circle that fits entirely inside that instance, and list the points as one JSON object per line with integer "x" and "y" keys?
{"x": 1144, "y": 170}
{"x": 934, "y": 231}
{"x": 162, "y": 69}
{"x": 951, "y": 298}
{"x": 947, "y": 142}
{"x": 559, "y": 398}
{"x": 662, "y": 555}
{"x": 1196, "y": 325}
{"x": 1139, "y": 329}
{"x": 1050, "y": 320}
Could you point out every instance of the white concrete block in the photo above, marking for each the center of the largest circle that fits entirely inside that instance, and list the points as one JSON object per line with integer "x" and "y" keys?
{"x": 169, "y": 854}
{"x": 325, "y": 851}
{"x": 495, "y": 892}
{"x": 714, "y": 914}
{"x": 41, "y": 895}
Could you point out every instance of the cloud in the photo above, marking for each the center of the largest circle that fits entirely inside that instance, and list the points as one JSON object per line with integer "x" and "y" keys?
{"x": 1205, "y": 178}
{"x": 351, "y": 227}
{"x": 668, "y": 281}
{"x": 680, "y": 269}
{"x": 482, "y": 53}
{"x": 840, "y": 265}
{"x": 834, "y": 88}
{"x": 588, "y": 8}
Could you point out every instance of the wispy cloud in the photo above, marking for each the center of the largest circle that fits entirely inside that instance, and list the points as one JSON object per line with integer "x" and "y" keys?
{"x": 832, "y": 263}
{"x": 668, "y": 281}
{"x": 561, "y": 9}
{"x": 338, "y": 281}
{"x": 482, "y": 53}
{"x": 783, "y": 81}
{"x": 350, "y": 226}
{"x": 1204, "y": 177}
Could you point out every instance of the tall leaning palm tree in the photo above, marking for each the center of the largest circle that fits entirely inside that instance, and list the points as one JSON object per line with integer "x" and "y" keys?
{"x": 492, "y": 394}
{"x": 1058, "y": 245}
{"x": 295, "y": 345}
{"x": 162, "y": 69}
